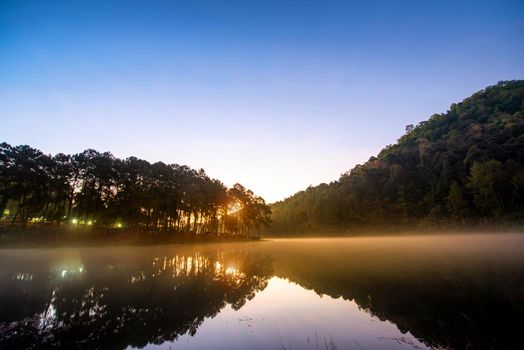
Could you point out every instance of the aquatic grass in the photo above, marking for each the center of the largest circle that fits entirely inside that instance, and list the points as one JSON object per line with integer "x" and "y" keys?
{"x": 329, "y": 344}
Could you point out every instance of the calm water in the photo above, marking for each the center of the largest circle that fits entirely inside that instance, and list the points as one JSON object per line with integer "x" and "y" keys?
{"x": 352, "y": 293}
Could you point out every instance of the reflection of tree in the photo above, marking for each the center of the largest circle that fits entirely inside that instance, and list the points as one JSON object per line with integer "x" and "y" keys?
{"x": 445, "y": 299}
{"x": 443, "y": 304}
{"x": 115, "y": 305}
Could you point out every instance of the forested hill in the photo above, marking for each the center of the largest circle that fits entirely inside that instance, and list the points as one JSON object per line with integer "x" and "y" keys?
{"x": 462, "y": 167}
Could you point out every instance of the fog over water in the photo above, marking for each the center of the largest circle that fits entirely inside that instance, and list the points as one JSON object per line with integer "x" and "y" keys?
{"x": 445, "y": 291}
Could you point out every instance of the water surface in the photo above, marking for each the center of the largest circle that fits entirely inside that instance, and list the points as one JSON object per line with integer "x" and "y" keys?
{"x": 413, "y": 292}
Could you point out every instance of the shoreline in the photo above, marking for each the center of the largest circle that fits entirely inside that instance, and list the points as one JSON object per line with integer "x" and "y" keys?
{"x": 56, "y": 237}
{"x": 33, "y": 237}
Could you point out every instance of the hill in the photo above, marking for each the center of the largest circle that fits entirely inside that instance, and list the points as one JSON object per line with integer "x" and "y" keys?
{"x": 463, "y": 167}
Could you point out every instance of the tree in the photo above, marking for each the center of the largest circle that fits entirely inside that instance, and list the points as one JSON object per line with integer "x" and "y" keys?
{"x": 93, "y": 188}
{"x": 484, "y": 184}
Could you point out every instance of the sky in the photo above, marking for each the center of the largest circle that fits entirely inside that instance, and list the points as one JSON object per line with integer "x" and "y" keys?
{"x": 276, "y": 95}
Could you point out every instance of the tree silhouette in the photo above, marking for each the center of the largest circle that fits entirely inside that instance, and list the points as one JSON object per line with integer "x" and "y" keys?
{"x": 97, "y": 189}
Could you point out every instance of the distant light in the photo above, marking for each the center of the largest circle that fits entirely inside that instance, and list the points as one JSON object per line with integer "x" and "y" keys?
{"x": 231, "y": 270}
{"x": 74, "y": 221}
{"x": 118, "y": 225}
{"x": 89, "y": 223}
{"x": 234, "y": 208}
{"x": 6, "y": 212}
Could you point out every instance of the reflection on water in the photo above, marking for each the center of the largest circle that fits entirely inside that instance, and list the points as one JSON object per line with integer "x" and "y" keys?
{"x": 287, "y": 316}
{"x": 407, "y": 292}
{"x": 451, "y": 292}
{"x": 112, "y": 302}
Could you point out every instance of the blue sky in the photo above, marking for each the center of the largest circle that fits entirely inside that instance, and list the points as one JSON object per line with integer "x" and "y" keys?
{"x": 276, "y": 95}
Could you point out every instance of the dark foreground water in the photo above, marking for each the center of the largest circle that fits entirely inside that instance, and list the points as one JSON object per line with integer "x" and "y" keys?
{"x": 354, "y": 293}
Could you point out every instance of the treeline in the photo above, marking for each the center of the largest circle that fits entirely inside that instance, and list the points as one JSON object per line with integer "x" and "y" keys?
{"x": 98, "y": 189}
{"x": 461, "y": 167}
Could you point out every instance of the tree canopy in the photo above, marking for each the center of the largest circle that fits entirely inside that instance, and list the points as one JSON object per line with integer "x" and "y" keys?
{"x": 97, "y": 189}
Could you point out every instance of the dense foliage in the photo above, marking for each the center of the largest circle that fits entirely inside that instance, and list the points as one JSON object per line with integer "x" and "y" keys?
{"x": 463, "y": 166}
{"x": 97, "y": 189}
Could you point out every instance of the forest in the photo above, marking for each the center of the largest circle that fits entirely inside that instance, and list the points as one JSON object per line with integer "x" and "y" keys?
{"x": 461, "y": 168}
{"x": 456, "y": 169}
{"x": 99, "y": 190}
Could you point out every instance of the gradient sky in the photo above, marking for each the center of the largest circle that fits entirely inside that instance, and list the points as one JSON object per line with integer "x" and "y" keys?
{"x": 276, "y": 95}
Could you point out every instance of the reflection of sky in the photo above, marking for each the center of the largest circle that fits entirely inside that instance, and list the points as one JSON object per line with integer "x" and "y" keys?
{"x": 284, "y": 315}
{"x": 274, "y": 94}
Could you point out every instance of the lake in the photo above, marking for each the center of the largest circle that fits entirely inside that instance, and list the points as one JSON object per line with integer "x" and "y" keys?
{"x": 406, "y": 292}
